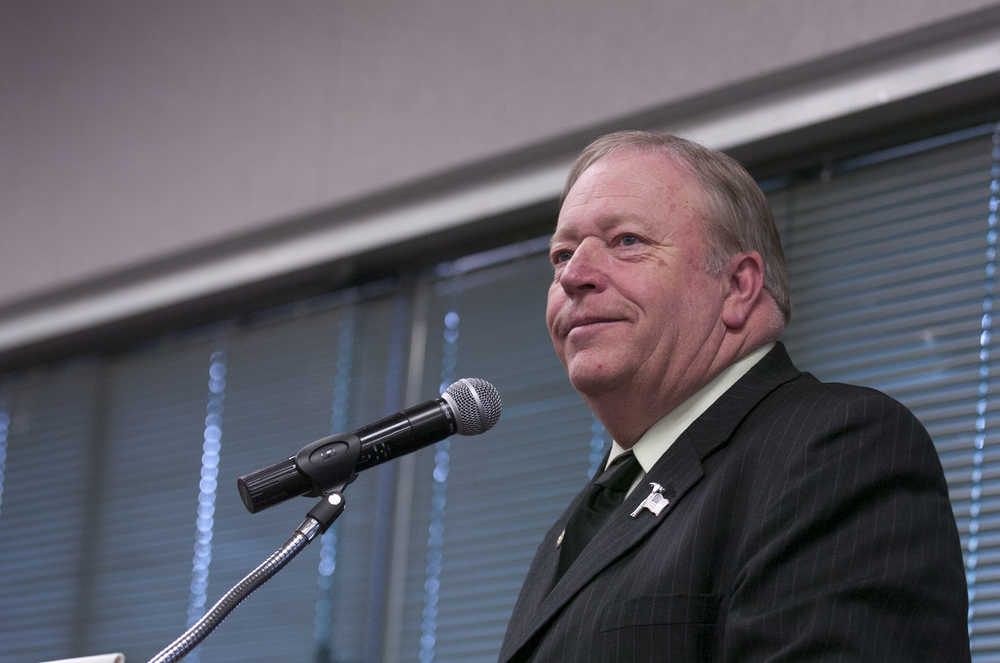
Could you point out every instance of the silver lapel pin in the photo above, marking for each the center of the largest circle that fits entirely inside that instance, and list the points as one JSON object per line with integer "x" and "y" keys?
{"x": 655, "y": 502}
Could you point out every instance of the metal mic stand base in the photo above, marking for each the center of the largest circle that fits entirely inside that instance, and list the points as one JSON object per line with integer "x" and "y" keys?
{"x": 319, "y": 518}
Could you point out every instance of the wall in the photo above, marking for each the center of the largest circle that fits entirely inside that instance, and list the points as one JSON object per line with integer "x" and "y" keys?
{"x": 138, "y": 134}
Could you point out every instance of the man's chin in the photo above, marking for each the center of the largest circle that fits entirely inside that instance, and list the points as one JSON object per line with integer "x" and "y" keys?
{"x": 594, "y": 381}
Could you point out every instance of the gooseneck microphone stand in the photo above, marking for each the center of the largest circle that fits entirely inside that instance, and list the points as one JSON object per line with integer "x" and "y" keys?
{"x": 329, "y": 464}
{"x": 469, "y": 406}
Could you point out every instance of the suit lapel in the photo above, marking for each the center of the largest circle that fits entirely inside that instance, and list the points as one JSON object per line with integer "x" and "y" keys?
{"x": 621, "y": 532}
{"x": 678, "y": 470}
{"x": 716, "y": 425}
{"x": 542, "y": 572}
{"x": 537, "y": 605}
{"x": 538, "y": 581}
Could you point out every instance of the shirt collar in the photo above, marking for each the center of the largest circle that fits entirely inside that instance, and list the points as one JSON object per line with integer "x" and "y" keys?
{"x": 661, "y": 435}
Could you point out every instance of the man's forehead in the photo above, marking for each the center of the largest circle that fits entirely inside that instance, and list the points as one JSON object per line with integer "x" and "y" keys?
{"x": 629, "y": 186}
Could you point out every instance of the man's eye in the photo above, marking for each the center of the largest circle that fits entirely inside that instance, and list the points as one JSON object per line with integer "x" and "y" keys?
{"x": 561, "y": 256}
{"x": 629, "y": 240}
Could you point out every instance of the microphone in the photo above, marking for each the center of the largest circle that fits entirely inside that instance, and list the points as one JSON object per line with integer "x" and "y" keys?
{"x": 469, "y": 406}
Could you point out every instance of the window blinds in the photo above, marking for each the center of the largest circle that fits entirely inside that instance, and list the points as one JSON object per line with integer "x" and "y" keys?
{"x": 47, "y": 507}
{"x": 892, "y": 263}
{"x": 121, "y": 521}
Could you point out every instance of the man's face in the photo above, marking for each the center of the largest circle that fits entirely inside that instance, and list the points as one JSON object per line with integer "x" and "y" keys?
{"x": 631, "y": 304}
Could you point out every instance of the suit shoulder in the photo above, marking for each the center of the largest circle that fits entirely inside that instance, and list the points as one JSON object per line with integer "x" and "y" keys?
{"x": 815, "y": 421}
{"x": 837, "y": 402}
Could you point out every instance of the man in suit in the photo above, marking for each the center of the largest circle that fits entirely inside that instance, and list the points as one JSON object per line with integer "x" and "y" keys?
{"x": 748, "y": 512}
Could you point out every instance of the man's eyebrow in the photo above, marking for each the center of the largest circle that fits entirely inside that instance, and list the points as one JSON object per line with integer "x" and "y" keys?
{"x": 604, "y": 225}
{"x": 559, "y": 236}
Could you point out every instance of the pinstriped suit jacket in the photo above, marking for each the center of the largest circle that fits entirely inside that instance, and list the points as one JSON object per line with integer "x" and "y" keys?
{"x": 807, "y": 522}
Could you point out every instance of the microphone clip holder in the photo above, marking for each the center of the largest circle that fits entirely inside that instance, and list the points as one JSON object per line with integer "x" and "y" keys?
{"x": 329, "y": 463}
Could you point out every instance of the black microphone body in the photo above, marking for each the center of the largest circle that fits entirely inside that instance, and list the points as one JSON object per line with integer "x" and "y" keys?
{"x": 469, "y": 406}
{"x": 399, "y": 434}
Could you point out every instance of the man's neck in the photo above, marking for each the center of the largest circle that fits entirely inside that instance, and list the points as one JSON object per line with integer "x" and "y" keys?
{"x": 662, "y": 434}
{"x": 629, "y": 412}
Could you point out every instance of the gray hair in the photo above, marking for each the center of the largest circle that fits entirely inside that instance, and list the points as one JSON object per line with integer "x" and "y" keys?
{"x": 741, "y": 217}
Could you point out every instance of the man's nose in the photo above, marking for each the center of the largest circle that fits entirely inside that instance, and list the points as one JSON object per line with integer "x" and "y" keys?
{"x": 586, "y": 269}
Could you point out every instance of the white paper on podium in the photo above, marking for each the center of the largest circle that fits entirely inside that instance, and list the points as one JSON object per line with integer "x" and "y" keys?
{"x": 100, "y": 658}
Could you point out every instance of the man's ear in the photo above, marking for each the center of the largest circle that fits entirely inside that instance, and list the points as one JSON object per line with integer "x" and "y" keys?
{"x": 745, "y": 280}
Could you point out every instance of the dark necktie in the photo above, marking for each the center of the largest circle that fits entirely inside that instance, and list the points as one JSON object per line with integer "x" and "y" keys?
{"x": 604, "y": 494}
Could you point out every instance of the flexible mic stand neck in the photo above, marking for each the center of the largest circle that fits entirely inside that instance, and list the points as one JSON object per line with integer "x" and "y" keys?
{"x": 329, "y": 464}
{"x": 319, "y": 519}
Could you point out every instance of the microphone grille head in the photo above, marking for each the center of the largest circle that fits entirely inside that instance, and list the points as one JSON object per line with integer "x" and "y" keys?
{"x": 476, "y": 404}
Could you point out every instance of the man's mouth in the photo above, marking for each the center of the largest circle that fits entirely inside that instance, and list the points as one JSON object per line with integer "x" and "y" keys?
{"x": 590, "y": 322}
